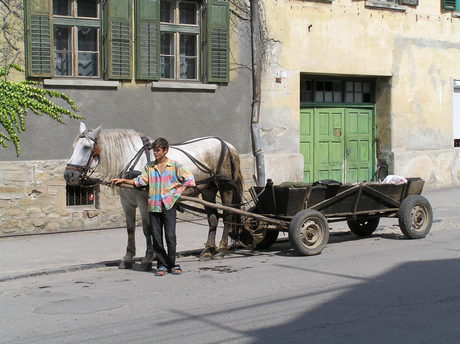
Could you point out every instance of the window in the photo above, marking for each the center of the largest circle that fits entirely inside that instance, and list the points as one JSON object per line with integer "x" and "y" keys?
{"x": 173, "y": 40}
{"x": 335, "y": 90}
{"x": 76, "y": 27}
{"x": 358, "y": 92}
{"x": 179, "y": 40}
{"x": 76, "y": 196}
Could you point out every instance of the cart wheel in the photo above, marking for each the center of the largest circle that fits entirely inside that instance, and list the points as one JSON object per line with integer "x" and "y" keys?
{"x": 308, "y": 232}
{"x": 415, "y": 217}
{"x": 268, "y": 241}
{"x": 363, "y": 227}
{"x": 253, "y": 227}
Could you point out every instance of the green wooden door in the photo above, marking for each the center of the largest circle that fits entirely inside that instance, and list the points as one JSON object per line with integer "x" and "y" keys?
{"x": 337, "y": 144}
{"x": 359, "y": 147}
{"x": 328, "y": 144}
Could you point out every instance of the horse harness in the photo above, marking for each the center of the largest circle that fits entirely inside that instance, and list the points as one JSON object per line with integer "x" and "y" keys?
{"x": 213, "y": 175}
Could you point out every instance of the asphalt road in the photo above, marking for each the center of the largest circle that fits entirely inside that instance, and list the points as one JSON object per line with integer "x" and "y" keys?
{"x": 380, "y": 289}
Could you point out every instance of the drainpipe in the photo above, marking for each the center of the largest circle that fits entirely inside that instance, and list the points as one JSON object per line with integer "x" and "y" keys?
{"x": 256, "y": 92}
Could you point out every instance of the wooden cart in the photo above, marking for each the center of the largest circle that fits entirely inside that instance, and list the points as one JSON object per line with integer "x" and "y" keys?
{"x": 304, "y": 211}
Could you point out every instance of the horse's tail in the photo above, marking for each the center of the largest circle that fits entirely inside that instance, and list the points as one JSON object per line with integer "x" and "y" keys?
{"x": 237, "y": 199}
{"x": 238, "y": 180}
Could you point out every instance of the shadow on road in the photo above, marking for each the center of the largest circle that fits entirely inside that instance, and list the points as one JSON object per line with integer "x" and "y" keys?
{"x": 416, "y": 302}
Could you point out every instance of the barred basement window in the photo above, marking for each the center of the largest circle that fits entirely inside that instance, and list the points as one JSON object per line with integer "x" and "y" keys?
{"x": 77, "y": 196}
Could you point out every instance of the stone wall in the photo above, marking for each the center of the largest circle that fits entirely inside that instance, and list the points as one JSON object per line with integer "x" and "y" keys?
{"x": 33, "y": 199}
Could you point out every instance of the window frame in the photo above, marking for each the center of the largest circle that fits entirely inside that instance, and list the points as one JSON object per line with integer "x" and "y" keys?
{"x": 314, "y": 80}
{"x": 178, "y": 29}
{"x": 75, "y": 23}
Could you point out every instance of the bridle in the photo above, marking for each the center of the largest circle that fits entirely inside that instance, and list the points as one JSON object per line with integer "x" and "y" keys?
{"x": 85, "y": 169}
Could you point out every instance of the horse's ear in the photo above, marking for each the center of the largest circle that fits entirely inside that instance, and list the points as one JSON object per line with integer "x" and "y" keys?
{"x": 95, "y": 132}
{"x": 82, "y": 127}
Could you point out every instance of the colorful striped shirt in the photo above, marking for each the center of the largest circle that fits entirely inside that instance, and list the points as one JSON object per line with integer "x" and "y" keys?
{"x": 164, "y": 188}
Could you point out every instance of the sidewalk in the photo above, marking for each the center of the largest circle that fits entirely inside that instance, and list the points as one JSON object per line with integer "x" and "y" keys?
{"x": 51, "y": 253}
{"x": 31, "y": 255}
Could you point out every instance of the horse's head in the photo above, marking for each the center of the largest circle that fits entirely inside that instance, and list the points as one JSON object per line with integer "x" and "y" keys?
{"x": 85, "y": 156}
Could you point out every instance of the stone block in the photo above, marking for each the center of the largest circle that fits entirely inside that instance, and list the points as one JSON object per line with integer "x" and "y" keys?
{"x": 39, "y": 222}
{"x": 12, "y": 211}
{"x": 56, "y": 182}
{"x": 92, "y": 213}
{"x": 42, "y": 176}
{"x": 27, "y": 201}
{"x": 53, "y": 226}
{"x": 17, "y": 177}
{"x": 4, "y": 203}
{"x": 9, "y": 230}
{"x": 32, "y": 210}
{"x": 12, "y": 190}
{"x": 43, "y": 200}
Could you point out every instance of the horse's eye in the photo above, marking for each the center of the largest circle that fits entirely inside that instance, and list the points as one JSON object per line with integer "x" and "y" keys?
{"x": 87, "y": 148}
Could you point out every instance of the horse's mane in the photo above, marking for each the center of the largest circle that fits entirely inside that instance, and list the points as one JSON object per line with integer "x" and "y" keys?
{"x": 117, "y": 147}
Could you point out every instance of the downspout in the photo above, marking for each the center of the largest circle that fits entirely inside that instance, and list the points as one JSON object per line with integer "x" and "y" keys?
{"x": 256, "y": 92}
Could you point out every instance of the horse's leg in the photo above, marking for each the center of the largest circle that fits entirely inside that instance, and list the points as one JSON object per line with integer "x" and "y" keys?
{"x": 210, "y": 247}
{"x": 146, "y": 263}
{"x": 226, "y": 195}
{"x": 130, "y": 214}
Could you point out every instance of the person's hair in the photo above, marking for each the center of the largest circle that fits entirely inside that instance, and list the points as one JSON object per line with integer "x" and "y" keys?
{"x": 160, "y": 143}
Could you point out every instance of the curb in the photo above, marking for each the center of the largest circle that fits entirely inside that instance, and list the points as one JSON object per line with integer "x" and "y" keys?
{"x": 107, "y": 263}
{"x": 73, "y": 268}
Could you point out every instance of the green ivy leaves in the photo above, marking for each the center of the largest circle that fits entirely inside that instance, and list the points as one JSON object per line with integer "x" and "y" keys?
{"x": 18, "y": 97}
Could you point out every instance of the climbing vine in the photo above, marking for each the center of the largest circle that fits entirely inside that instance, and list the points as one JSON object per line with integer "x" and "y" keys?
{"x": 16, "y": 98}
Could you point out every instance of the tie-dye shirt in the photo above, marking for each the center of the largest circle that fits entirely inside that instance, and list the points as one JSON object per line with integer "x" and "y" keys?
{"x": 165, "y": 188}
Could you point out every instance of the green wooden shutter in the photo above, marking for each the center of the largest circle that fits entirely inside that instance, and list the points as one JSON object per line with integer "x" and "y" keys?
{"x": 216, "y": 52}
{"x": 449, "y": 4}
{"x": 38, "y": 38}
{"x": 147, "y": 39}
{"x": 117, "y": 42}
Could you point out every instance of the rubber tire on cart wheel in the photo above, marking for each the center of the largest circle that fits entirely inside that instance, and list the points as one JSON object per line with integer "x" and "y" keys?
{"x": 270, "y": 236}
{"x": 268, "y": 241}
{"x": 415, "y": 217}
{"x": 308, "y": 232}
{"x": 363, "y": 227}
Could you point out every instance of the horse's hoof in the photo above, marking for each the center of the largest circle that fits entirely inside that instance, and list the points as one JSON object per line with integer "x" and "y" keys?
{"x": 146, "y": 266}
{"x": 125, "y": 265}
{"x": 207, "y": 254}
{"x": 219, "y": 254}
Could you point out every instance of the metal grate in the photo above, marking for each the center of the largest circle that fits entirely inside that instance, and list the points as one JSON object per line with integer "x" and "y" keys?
{"x": 76, "y": 196}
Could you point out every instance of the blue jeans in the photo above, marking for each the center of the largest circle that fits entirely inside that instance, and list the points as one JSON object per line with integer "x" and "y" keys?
{"x": 166, "y": 220}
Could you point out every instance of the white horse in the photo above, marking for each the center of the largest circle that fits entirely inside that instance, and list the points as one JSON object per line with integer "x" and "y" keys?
{"x": 214, "y": 163}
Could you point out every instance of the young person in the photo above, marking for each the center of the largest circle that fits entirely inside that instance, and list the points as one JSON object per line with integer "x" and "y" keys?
{"x": 166, "y": 179}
